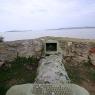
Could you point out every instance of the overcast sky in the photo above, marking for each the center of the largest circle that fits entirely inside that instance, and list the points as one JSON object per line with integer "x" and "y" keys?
{"x": 44, "y": 14}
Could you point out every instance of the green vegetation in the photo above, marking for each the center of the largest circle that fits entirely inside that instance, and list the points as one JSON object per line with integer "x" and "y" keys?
{"x": 3, "y": 89}
{"x": 20, "y": 70}
{"x": 73, "y": 73}
{"x": 79, "y": 72}
{"x": 92, "y": 74}
{"x": 90, "y": 69}
{"x": 87, "y": 64}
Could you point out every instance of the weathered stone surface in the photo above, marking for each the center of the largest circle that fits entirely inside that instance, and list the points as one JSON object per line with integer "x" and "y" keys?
{"x": 79, "y": 90}
{"x": 78, "y": 49}
{"x": 7, "y": 52}
{"x": 1, "y": 63}
{"x": 30, "y": 48}
{"x": 47, "y": 89}
{"x": 52, "y": 79}
{"x": 26, "y": 48}
{"x": 51, "y": 70}
{"x": 92, "y": 58}
{"x": 24, "y": 89}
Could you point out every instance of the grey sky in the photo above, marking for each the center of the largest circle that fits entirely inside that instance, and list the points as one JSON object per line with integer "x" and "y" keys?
{"x": 44, "y": 14}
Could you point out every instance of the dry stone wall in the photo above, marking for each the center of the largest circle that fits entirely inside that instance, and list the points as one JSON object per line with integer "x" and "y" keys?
{"x": 52, "y": 79}
{"x": 26, "y": 48}
{"x": 51, "y": 70}
{"x": 76, "y": 49}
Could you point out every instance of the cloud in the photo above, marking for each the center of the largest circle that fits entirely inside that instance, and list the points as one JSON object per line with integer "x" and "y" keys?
{"x": 55, "y": 7}
{"x": 45, "y": 13}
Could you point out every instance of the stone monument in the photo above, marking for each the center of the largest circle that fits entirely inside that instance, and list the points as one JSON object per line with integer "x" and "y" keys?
{"x": 52, "y": 78}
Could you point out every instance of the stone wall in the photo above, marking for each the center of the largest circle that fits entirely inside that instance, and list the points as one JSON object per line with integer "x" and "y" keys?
{"x": 52, "y": 79}
{"x": 25, "y": 48}
{"x": 51, "y": 70}
{"x": 76, "y": 49}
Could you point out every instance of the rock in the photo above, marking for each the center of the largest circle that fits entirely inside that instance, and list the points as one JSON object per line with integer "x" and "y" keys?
{"x": 79, "y": 90}
{"x": 30, "y": 48}
{"x": 92, "y": 58}
{"x": 76, "y": 48}
{"x": 51, "y": 70}
{"x": 52, "y": 79}
{"x": 47, "y": 89}
{"x": 1, "y": 63}
{"x": 25, "y": 48}
{"x": 29, "y": 67}
{"x": 24, "y": 89}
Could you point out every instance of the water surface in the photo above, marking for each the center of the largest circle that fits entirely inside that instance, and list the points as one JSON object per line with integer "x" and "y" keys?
{"x": 75, "y": 33}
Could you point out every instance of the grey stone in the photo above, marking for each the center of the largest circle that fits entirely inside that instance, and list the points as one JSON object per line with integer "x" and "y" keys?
{"x": 1, "y": 63}
{"x": 52, "y": 70}
{"x": 47, "y": 89}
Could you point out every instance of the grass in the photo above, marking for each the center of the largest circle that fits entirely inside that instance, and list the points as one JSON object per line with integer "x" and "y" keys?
{"x": 3, "y": 89}
{"x": 92, "y": 75}
{"x": 90, "y": 69}
{"x": 81, "y": 72}
{"x": 16, "y": 72}
{"x": 73, "y": 73}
